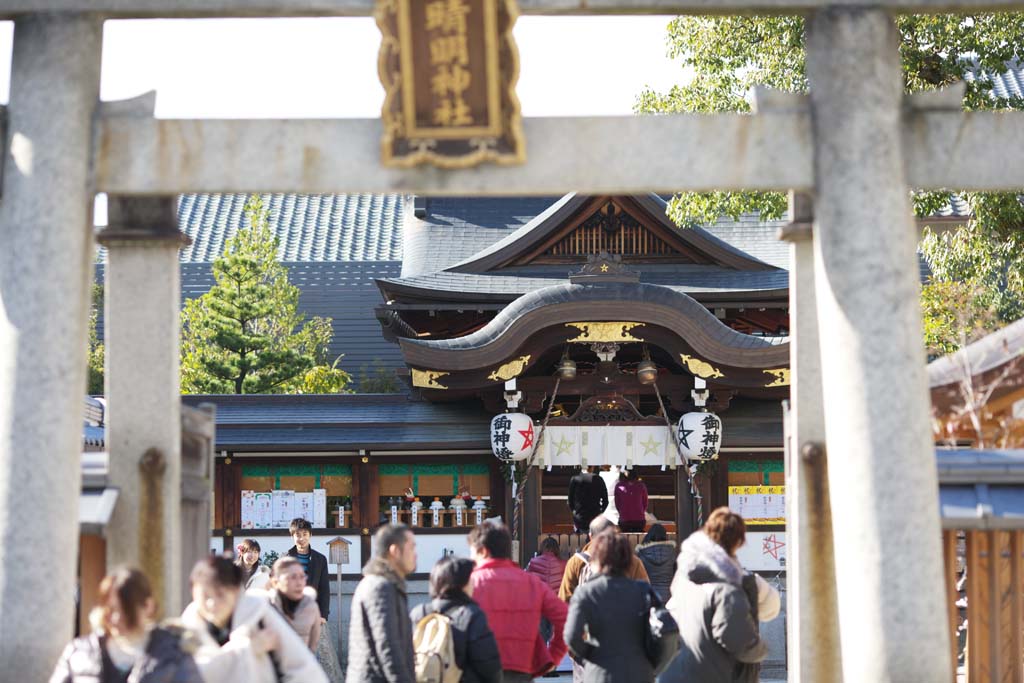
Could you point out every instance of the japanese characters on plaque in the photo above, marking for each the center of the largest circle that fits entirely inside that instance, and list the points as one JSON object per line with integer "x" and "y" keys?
{"x": 449, "y": 69}
{"x": 759, "y": 505}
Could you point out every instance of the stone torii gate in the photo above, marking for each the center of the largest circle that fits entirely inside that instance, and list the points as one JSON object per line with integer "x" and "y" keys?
{"x": 855, "y": 145}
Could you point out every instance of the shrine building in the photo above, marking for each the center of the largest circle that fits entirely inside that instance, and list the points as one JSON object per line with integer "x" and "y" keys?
{"x": 596, "y": 315}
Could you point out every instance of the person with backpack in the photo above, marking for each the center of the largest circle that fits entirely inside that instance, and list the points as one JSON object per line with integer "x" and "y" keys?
{"x": 451, "y": 637}
{"x": 514, "y": 602}
{"x": 577, "y": 569}
{"x": 380, "y": 633}
{"x": 608, "y": 617}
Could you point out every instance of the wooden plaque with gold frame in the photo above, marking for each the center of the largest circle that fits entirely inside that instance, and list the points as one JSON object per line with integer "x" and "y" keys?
{"x": 449, "y": 70}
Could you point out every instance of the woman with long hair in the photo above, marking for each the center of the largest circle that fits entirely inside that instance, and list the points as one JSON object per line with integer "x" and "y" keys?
{"x": 608, "y": 617}
{"x": 255, "y": 574}
{"x": 476, "y": 650}
{"x": 241, "y": 637}
{"x": 125, "y": 643}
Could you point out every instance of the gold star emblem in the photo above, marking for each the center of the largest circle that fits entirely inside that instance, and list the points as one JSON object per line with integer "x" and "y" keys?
{"x": 604, "y": 267}
{"x": 650, "y": 446}
{"x": 563, "y": 445}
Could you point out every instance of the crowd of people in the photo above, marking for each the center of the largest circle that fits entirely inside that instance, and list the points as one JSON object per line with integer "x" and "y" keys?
{"x": 622, "y": 615}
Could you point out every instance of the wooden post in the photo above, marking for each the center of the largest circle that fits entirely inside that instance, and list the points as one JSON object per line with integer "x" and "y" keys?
{"x": 684, "y": 505}
{"x": 949, "y": 555}
{"x": 978, "y": 634}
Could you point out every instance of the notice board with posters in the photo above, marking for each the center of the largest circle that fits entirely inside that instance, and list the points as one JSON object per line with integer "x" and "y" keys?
{"x": 759, "y": 505}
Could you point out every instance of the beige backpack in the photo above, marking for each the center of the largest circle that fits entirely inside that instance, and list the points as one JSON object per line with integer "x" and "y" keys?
{"x": 435, "y": 650}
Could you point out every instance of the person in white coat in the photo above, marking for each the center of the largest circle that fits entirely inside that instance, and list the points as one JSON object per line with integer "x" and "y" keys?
{"x": 241, "y": 636}
{"x": 255, "y": 575}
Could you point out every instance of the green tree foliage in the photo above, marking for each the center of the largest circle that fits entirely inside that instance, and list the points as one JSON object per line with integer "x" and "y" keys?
{"x": 729, "y": 55}
{"x": 247, "y": 335}
{"x": 96, "y": 352}
{"x": 377, "y": 379}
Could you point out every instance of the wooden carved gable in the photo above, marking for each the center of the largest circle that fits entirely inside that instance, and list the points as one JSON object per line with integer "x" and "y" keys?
{"x": 608, "y": 226}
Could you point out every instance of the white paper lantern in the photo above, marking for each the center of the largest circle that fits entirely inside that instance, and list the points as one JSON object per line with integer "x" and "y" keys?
{"x": 512, "y": 436}
{"x": 700, "y": 435}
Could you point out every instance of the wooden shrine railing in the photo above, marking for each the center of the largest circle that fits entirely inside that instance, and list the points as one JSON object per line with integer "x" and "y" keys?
{"x": 569, "y": 544}
{"x": 994, "y": 587}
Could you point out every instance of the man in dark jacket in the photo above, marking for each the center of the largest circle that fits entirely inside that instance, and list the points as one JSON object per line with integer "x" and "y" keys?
{"x": 313, "y": 562}
{"x": 380, "y": 633}
{"x": 658, "y": 555}
{"x": 588, "y": 497}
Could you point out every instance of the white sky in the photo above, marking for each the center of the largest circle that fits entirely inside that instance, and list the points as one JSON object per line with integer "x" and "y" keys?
{"x": 295, "y": 68}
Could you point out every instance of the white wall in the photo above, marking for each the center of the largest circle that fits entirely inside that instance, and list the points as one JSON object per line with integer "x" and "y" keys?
{"x": 281, "y": 544}
{"x": 430, "y": 548}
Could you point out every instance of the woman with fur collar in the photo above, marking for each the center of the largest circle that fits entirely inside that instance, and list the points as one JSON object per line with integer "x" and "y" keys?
{"x": 125, "y": 646}
{"x": 255, "y": 575}
{"x": 295, "y": 600}
{"x": 241, "y": 637}
{"x": 716, "y": 604}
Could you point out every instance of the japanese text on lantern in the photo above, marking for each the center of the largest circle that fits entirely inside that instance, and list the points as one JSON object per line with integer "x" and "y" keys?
{"x": 710, "y": 442}
{"x": 501, "y": 431}
{"x": 448, "y": 42}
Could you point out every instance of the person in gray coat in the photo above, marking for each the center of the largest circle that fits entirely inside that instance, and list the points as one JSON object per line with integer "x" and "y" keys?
{"x": 380, "y": 633}
{"x": 608, "y": 617}
{"x": 716, "y": 617}
{"x": 659, "y": 557}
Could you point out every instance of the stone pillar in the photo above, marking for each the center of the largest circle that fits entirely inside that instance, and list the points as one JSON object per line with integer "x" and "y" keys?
{"x": 141, "y": 322}
{"x": 881, "y": 462}
{"x": 812, "y": 624}
{"x": 45, "y": 270}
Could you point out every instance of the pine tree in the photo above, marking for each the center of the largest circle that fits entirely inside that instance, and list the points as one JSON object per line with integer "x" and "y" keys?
{"x": 247, "y": 335}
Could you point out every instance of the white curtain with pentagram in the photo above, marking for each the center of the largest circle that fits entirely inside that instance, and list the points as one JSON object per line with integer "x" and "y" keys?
{"x": 622, "y": 445}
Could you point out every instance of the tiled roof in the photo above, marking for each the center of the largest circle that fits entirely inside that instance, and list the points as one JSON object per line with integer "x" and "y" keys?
{"x": 330, "y": 227}
{"x": 344, "y": 422}
{"x": 344, "y": 291}
{"x": 456, "y": 228}
{"x": 754, "y": 236}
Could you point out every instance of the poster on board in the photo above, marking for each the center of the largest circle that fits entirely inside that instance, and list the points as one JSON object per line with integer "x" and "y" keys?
{"x": 319, "y": 509}
{"x": 248, "y": 509}
{"x": 263, "y": 517}
{"x": 283, "y": 508}
{"x": 304, "y": 506}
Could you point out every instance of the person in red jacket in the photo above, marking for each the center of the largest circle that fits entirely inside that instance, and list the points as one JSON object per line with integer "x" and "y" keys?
{"x": 548, "y": 565}
{"x": 631, "y": 502}
{"x": 514, "y": 602}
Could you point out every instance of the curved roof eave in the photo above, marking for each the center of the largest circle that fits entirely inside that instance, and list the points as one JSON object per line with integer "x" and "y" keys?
{"x": 633, "y": 302}
{"x": 551, "y": 220}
